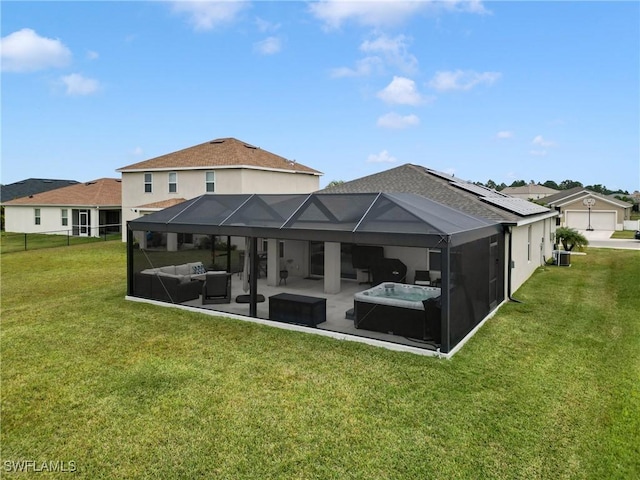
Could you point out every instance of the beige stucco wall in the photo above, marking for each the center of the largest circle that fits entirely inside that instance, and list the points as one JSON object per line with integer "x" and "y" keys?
{"x": 527, "y": 257}
{"x": 21, "y": 219}
{"x": 192, "y": 183}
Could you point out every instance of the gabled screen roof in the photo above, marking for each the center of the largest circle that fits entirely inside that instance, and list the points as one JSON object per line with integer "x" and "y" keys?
{"x": 403, "y": 218}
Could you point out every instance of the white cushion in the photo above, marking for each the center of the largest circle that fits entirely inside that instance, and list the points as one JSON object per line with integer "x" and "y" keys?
{"x": 183, "y": 269}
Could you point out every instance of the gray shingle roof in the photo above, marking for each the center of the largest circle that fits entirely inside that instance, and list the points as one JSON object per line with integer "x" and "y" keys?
{"x": 580, "y": 192}
{"x": 434, "y": 185}
{"x": 31, "y": 186}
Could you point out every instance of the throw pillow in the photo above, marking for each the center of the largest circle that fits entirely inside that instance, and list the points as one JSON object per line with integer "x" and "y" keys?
{"x": 199, "y": 269}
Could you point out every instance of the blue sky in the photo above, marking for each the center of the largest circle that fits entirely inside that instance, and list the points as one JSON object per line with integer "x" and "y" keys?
{"x": 484, "y": 90}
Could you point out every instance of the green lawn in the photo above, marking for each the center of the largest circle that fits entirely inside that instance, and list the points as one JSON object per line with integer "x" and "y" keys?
{"x": 625, "y": 234}
{"x": 548, "y": 388}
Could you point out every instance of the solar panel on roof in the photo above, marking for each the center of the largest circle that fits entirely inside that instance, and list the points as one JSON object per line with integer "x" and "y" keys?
{"x": 478, "y": 190}
{"x": 516, "y": 205}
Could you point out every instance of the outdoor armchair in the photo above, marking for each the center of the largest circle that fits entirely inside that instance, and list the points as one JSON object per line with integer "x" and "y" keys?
{"x": 216, "y": 288}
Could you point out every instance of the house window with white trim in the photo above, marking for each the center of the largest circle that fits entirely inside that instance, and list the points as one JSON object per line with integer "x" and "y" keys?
{"x": 148, "y": 182}
{"x": 210, "y": 182}
{"x": 65, "y": 217}
{"x": 173, "y": 182}
{"x": 36, "y": 212}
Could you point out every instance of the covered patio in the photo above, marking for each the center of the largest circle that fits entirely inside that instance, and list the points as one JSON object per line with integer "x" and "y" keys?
{"x": 322, "y": 240}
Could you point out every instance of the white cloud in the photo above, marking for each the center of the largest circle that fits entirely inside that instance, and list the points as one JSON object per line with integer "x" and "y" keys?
{"x": 204, "y": 15}
{"x": 383, "y": 51}
{"x": 384, "y": 13}
{"x": 462, "y": 80}
{"x": 401, "y": 91}
{"x": 78, "y": 85}
{"x": 541, "y": 142}
{"x": 382, "y": 157}
{"x": 504, "y": 134}
{"x": 268, "y": 46}
{"x": 265, "y": 26}
{"x": 393, "y": 50}
{"x": 396, "y": 121}
{"x": 138, "y": 151}
{"x": 91, "y": 55}
{"x": 538, "y": 153}
{"x": 26, "y": 51}
{"x": 363, "y": 68}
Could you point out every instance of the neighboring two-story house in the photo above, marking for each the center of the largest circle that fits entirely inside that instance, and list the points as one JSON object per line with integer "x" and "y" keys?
{"x": 224, "y": 165}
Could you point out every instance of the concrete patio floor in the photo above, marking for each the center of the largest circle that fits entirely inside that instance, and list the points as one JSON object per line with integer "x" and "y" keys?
{"x": 337, "y": 306}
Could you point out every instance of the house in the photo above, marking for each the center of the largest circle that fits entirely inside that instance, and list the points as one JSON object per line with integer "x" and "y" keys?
{"x": 223, "y": 165}
{"x": 81, "y": 209}
{"x": 532, "y": 191}
{"x": 408, "y": 232}
{"x": 31, "y": 186}
{"x": 528, "y": 228}
{"x": 583, "y": 209}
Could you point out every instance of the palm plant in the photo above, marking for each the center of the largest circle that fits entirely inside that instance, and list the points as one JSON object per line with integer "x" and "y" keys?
{"x": 570, "y": 238}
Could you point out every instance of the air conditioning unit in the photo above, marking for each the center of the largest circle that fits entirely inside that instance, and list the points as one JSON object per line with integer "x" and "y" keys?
{"x": 563, "y": 258}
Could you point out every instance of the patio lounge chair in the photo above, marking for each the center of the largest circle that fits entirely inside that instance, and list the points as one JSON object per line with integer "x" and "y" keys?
{"x": 216, "y": 288}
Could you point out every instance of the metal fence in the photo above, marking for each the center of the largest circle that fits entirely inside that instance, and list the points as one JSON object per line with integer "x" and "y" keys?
{"x": 15, "y": 242}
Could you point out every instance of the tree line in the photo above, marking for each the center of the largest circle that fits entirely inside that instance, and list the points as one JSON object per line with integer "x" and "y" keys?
{"x": 564, "y": 185}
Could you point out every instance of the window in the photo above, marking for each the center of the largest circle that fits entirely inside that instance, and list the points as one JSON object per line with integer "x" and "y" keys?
{"x": 173, "y": 182}
{"x": 529, "y": 243}
{"x": 37, "y": 215}
{"x": 148, "y": 182}
{"x": 65, "y": 217}
{"x": 211, "y": 182}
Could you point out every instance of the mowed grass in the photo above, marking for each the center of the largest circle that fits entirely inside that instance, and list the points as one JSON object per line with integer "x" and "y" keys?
{"x": 548, "y": 388}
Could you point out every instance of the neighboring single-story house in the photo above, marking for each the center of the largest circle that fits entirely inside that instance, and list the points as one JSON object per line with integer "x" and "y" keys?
{"x": 223, "y": 165}
{"x": 532, "y": 191}
{"x": 583, "y": 209}
{"x": 31, "y": 186}
{"x": 528, "y": 228}
{"x": 82, "y": 209}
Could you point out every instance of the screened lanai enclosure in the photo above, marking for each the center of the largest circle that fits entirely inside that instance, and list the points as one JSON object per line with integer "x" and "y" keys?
{"x": 394, "y": 268}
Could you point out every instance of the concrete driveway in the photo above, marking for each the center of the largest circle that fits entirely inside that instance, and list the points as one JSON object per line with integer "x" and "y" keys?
{"x": 602, "y": 239}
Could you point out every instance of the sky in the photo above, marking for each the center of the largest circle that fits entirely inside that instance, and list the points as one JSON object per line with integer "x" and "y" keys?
{"x": 498, "y": 91}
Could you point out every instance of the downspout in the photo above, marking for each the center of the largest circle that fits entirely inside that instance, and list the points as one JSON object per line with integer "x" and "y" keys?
{"x": 510, "y": 266}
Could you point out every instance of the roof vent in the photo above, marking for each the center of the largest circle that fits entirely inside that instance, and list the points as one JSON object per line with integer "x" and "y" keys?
{"x": 250, "y": 146}
{"x": 216, "y": 141}
{"x": 90, "y": 183}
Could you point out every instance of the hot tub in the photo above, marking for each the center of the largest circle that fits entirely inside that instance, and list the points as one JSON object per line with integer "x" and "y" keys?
{"x": 398, "y": 309}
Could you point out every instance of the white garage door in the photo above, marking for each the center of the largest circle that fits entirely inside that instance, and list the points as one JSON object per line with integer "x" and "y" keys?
{"x": 599, "y": 220}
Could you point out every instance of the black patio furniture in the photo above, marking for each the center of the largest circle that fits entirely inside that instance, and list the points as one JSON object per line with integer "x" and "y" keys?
{"x": 216, "y": 288}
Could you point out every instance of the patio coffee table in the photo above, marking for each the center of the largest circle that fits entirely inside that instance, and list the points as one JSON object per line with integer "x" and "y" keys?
{"x": 299, "y": 309}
